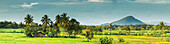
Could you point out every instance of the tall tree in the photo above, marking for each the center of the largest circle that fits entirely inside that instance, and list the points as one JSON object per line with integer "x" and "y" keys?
{"x": 57, "y": 24}
{"x": 28, "y": 19}
{"x": 78, "y": 28}
{"x": 45, "y": 20}
{"x": 51, "y": 26}
{"x": 161, "y": 26}
{"x": 65, "y": 21}
{"x": 71, "y": 26}
{"x": 58, "y": 19}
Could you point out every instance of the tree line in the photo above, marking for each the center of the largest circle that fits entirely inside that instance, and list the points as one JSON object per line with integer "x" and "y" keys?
{"x": 111, "y": 27}
{"x": 9, "y": 24}
{"x": 52, "y": 28}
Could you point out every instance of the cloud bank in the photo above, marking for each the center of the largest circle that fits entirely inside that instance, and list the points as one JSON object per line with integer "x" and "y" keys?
{"x": 25, "y": 5}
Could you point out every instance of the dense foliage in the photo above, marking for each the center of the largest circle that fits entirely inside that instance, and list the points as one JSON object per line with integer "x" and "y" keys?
{"x": 160, "y": 30}
{"x": 106, "y": 40}
{"x": 50, "y": 28}
{"x": 9, "y": 24}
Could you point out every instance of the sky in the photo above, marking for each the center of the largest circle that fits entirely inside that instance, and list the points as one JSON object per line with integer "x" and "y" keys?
{"x": 87, "y": 12}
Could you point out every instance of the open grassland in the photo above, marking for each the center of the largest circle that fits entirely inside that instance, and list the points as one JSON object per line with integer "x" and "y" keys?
{"x": 10, "y": 30}
{"x": 20, "y": 38}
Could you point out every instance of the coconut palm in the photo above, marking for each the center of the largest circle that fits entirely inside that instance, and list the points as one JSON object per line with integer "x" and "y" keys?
{"x": 58, "y": 21}
{"x": 65, "y": 21}
{"x": 28, "y": 19}
{"x": 45, "y": 20}
{"x": 64, "y": 18}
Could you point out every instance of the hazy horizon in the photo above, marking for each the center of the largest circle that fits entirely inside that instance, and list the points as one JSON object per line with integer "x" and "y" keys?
{"x": 87, "y": 12}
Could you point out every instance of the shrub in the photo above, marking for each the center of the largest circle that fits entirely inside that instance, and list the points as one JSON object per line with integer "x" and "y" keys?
{"x": 28, "y": 32}
{"x": 50, "y": 34}
{"x": 121, "y": 39}
{"x": 89, "y": 35}
{"x": 106, "y": 40}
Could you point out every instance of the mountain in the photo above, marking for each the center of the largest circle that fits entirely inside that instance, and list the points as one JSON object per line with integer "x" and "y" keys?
{"x": 129, "y": 20}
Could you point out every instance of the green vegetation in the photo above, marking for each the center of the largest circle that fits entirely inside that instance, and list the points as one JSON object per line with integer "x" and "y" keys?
{"x": 10, "y": 30}
{"x": 70, "y": 27}
{"x": 20, "y": 38}
{"x": 64, "y": 30}
{"x": 9, "y": 24}
{"x": 89, "y": 33}
{"x": 121, "y": 39}
{"x": 52, "y": 29}
{"x": 106, "y": 40}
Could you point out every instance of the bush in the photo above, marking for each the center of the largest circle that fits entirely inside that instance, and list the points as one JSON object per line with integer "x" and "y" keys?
{"x": 31, "y": 31}
{"x": 121, "y": 39}
{"x": 106, "y": 33}
{"x": 106, "y": 40}
{"x": 50, "y": 34}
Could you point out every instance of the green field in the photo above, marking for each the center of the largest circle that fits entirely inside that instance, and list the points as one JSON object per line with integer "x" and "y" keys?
{"x": 10, "y": 30}
{"x": 20, "y": 38}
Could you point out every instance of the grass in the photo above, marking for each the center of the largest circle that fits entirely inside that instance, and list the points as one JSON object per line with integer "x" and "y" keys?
{"x": 10, "y": 30}
{"x": 20, "y": 38}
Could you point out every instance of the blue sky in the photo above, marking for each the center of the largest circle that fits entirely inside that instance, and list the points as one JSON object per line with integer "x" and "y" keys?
{"x": 88, "y": 12}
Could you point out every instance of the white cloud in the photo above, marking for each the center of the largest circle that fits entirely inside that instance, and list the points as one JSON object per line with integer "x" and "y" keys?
{"x": 25, "y": 5}
{"x": 151, "y": 1}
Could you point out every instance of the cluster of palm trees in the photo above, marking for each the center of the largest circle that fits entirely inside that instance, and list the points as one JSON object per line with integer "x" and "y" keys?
{"x": 52, "y": 28}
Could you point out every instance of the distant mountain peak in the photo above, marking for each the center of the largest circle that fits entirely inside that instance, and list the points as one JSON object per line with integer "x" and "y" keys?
{"x": 130, "y": 17}
{"x": 129, "y": 20}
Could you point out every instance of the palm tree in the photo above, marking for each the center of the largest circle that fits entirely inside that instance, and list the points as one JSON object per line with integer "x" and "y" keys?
{"x": 64, "y": 18}
{"x": 51, "y": 25}
{"x": 45, "y": 20}
{"x": 58, "y": 20}
{"x": 65, "y": 21}
{"x": 28, "y": 19}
